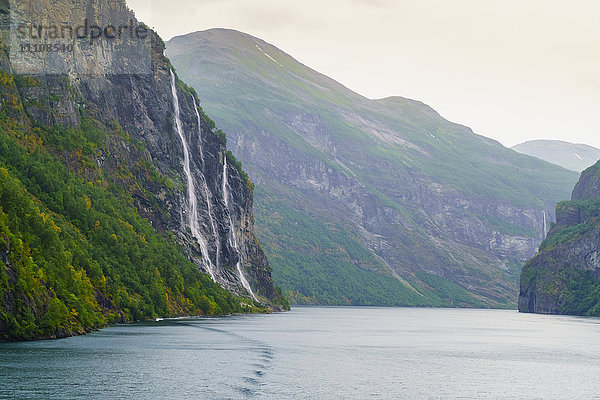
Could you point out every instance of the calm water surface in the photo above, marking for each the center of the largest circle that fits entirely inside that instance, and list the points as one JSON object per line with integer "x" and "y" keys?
{"x": 317, "y": 353}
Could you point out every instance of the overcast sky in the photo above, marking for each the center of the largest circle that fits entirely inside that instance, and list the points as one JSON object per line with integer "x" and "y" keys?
{"x": 513, "y": 70}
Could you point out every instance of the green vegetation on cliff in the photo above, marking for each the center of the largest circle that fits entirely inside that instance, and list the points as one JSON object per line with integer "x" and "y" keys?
{"x": 564, "y": 278}
{"x": 74, "y": 252}
{"x": 588, "y": 209}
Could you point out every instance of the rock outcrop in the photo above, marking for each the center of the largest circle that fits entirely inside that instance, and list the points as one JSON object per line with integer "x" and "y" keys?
{"x": 564, "y": 278}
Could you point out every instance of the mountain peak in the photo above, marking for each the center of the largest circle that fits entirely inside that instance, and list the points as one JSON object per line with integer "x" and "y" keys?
{"x": 224, "y": 36}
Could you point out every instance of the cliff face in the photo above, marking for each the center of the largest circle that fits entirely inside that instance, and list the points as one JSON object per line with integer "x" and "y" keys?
{"x": 352, "y": 190}
{"x": 154, "y": 122}
{"x": 588, "y": 187}
{"x": 564, "y": 278}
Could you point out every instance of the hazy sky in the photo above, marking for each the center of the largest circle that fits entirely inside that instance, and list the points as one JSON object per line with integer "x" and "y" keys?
{"x": 513, "y": 70}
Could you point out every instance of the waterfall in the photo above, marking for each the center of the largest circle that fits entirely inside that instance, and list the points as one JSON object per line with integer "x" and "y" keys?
{"x": 545, "y": 226}
{"x": 199, "y": 130}
{"x": 232, "y": 239}
{"x": 192, "y": 210}
{"x": 206, "y": 191}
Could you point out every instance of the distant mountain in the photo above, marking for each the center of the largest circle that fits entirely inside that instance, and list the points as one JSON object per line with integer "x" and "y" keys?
{"x": 564, "y": 278}
{"x": 364, "y": 201}
{"x": 573, "y": 156}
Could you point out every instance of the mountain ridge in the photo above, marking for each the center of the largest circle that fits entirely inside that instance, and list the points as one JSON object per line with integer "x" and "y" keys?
{"x": 574, "y": 156}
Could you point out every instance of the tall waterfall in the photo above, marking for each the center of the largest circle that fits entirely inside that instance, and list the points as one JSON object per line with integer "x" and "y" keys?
{"x": 232, "y": 239}
{"x": 545, "y": 226}
{"x": 192, "y": 210}
{"x": 207, "y": 193}
{"x": 199, "y": 131}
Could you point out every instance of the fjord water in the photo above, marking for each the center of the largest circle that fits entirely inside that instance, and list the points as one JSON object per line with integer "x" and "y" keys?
{"x": 317, "y": 353}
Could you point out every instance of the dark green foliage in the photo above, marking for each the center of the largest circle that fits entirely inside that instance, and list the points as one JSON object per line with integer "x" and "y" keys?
{"x": 582, "y": 294}
{"x": 238, "y": 167}
{"x": 280, "y": 300}
{"x": 51, "y": 297}
{"x": 79, "y": 254}
{"x": 25, "y": 81}
{"x": 221, "y": 136}
{"x": 565, "y": 234}
{"x": 211, "y": 123}
{"x": 574, "y": 291}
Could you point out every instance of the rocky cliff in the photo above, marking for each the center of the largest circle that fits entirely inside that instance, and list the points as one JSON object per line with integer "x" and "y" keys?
{"x": 370, "y": 201}
{"x": 564, "y": 277}
{"x": 153, "y": 139}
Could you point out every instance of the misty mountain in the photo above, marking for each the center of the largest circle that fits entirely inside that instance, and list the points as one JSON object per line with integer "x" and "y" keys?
{"x": 363, "y": 201}
{"x": 573, "y": 156}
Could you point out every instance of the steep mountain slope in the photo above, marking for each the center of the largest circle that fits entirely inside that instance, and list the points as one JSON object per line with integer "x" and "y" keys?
{"x": 564, "y": 278}
{"x": 573, "y": 156}
{"x": 116, "y": 193}
{"x": 370, "y": 201}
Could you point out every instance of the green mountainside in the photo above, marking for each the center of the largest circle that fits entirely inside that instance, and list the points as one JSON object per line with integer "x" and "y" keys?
{"x": 75, "y": 254}
{"x": 564, "y": 277}
{"x": 377, "y": 202}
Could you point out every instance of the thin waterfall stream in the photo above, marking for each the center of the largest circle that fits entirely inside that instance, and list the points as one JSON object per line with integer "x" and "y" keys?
{"x": 545, "y": 226}
{"x": 192, "y": 210}
{"x": 207, "y": 192}
{"x": 232, "y": 239}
